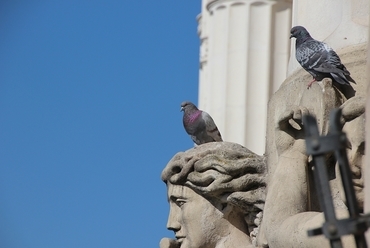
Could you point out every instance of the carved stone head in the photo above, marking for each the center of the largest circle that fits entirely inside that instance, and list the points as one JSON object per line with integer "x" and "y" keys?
{"x": 215, "y": 191}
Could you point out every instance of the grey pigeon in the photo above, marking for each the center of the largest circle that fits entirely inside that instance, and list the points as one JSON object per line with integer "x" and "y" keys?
{"x": 199, "y": 124}
{"x": 318, "y": 58}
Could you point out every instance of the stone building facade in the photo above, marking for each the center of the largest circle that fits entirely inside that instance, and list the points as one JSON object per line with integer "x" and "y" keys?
{"x": 257, "y": 185}
{"x": 246, "y": 54}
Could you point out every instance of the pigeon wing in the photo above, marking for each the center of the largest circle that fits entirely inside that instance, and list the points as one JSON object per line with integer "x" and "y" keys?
{"x": 311, "y": 54}
{"x": 331, "y": 63}
{"x": 211, "y": 127}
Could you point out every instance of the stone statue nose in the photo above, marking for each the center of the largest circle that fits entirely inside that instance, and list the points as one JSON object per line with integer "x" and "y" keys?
{"x": 173, "y": 219}
{"x": 355, "y": 160}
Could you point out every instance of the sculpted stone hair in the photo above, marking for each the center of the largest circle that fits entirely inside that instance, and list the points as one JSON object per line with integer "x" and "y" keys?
{"x": 226, "y": 171}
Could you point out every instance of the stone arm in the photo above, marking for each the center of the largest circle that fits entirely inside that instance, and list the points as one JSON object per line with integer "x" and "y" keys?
{"x": 286, "y": 216}
{"x": 286, "y": 219}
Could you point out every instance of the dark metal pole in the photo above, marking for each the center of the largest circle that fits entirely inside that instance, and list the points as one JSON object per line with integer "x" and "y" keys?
{"x": 318, "y": 146}
{"x": 321, "y": 178}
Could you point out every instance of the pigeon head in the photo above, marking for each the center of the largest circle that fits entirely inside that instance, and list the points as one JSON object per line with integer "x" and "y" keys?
{"x": 299, "y": 32}
{"x": 187, "y": 106}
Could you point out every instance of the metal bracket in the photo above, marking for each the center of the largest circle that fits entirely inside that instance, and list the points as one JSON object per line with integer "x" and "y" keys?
{"x": 318, "y": 146}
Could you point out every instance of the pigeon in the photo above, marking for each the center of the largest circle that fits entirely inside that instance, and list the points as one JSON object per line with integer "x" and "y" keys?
{"x": 318, "y": 58}
{"x": 199, "y": 124}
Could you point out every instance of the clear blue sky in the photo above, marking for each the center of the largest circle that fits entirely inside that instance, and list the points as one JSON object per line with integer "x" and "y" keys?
{"x": 90, "y": 95}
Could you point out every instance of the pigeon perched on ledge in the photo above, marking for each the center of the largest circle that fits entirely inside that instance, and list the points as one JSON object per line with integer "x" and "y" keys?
{"x": 318, "y": 58}
{"x": 199, "y": 124}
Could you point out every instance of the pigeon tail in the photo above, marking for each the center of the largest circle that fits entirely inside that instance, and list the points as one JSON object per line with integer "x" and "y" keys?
{"x": 339, "y": 78}
{"x": 349, "y": 78}
{"x": 342, "y": 78}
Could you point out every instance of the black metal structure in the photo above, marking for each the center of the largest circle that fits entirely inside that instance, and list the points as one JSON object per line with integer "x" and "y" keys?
{"x": 318, "y": 146}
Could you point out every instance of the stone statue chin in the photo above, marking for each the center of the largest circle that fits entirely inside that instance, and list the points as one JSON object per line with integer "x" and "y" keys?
{"x": 215, "y": 192}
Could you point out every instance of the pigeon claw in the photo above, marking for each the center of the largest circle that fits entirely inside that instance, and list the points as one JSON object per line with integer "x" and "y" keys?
{"x": 310, "y": 83}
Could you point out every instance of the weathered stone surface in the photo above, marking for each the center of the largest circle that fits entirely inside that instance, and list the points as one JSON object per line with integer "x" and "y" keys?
{"x": 224, "y": 184}
{"x": 367, "y": 148}
{"x": 291, "y": 206}
{"x": 216, "y": 192}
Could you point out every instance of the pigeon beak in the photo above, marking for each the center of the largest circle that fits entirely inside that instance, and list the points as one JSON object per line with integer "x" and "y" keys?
{"x": 291, "y": 36}
{"x": 182, "y": 109}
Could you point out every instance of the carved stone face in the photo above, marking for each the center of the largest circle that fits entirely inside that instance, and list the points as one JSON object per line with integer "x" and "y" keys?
{"x": 196, "y": 222}
{"x": 355, "y": 131}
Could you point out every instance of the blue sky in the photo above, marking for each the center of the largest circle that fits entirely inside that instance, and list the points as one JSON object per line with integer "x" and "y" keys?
{"x": 90, "y": 95}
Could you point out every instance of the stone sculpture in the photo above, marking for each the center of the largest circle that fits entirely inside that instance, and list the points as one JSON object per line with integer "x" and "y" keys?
{"x": 216, "y": 192}
{"x": 232, "y": 197}
{"x": 291, "y": 206}
{"x": 353, "y": 112}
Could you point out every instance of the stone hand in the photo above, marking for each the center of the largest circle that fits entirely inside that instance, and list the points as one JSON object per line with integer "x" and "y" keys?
{"x": 289, "y": 130}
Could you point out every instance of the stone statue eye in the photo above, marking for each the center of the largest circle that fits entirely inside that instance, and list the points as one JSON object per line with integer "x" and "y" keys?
{"x": 180, "y": 202}
{"x": 361, "y": 148}
{"x": 348, "y": 145}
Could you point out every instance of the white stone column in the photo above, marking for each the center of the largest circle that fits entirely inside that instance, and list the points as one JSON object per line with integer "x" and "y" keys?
{"x": 204, "y": 87}
{"x": 339, "y": 23}
{"x": 243, "y": 60}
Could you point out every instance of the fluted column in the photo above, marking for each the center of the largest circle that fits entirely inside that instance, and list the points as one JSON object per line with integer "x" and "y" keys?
{"x": 243, "y": 60}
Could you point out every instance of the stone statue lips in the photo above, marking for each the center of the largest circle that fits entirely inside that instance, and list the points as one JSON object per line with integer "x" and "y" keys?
{"x": 179, "y": 240}
{"x": 358, "y": 184}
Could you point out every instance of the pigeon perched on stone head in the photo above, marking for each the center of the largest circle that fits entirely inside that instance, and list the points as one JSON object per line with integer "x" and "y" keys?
{"x": 199, "y": 124}
{"x": 318, "y": 58}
